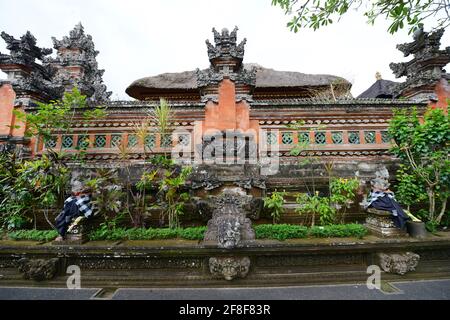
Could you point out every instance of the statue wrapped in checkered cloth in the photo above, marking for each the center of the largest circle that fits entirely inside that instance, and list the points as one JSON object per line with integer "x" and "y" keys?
{"x": 76, "y": 208}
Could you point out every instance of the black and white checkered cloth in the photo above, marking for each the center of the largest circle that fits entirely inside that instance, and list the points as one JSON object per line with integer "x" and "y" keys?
{"x": 83, "y": 203}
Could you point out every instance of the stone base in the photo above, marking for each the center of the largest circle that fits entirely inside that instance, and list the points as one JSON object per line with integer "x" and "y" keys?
{"x": 76, "y": 235}
{"x": 379, "y": 223}
{"x": 385, "y": 232}
{"x": 179, "y": 263}
{"x": 72, "y": 239}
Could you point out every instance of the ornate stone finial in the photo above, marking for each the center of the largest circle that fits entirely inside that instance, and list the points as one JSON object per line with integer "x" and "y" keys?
{"x": 225, "y": 45}
{"x": 378, "y": 76}
{"x": 78, "y": 50}
{"x": 27, "y": 76}
{"x": 24, "y": 50}
{"x": 226, "y": 60}
{"x": 426, "y": 68}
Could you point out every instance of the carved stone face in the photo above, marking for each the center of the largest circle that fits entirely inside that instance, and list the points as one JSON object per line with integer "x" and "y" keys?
{"x": 399, "y": 263}
{"x": 229, "y": 233}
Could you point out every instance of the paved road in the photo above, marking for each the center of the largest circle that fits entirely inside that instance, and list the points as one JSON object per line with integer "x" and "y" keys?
{"x": 417, "y": 290}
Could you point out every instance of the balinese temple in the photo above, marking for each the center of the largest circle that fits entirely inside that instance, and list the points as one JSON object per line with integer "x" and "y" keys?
{"x": 249, "y": 101}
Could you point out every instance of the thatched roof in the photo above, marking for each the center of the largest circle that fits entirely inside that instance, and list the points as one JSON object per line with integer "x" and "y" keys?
{"x": 265, "y": 78}
{"x": 380, "y": 89}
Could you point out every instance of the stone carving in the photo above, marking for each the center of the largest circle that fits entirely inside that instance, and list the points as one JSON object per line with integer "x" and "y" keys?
{"x": 426, "y": 68}
{"x": 228, "y": 232}
{"x": 74, "y": 65}
{"x": 27, "y": 75}
{"x": 204, "y": 179}
{"x": 230, "y": 55}
{"x": 78, "y": 50}
{"x": 38, "y": 269}
{"x": 380, "y": 223}
{"x": 24, "y": 50}
{"x": 228, "y": 146}
{"x": 246, "y": 97}
{"x": 229, "y": 268}
{"x": 229, "y": 225}
{"x": 245, "y": 76}
{"x": 225, "y": 44}
{"x": 381, "y": 180}
{"x": 399, "y": 263}
{"x": 207, "y": 77}
{"x": 249, "y": 182}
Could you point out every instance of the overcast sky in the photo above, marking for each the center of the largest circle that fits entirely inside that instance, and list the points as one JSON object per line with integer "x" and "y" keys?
{"x": 138, "y": 38}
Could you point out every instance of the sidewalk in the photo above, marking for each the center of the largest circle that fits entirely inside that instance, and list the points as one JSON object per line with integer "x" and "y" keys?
{"x": 413, "y": 290}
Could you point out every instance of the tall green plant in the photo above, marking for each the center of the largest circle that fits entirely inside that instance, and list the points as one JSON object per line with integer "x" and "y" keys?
{"x": 424, "y": 149}
{"x": 316, "y": 205}
{"x": 35, "y": 184}
{"x": 275, "y": 204}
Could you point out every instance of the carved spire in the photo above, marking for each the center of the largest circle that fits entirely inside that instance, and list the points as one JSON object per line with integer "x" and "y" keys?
{"x": 226, "y": 60}
{"x": 225, "y": 45}
{"x": 426, "y": 67}
{"x": 24, "y": 50}
{"x": 77, "y": 52}
{"x": 27, "y": 76}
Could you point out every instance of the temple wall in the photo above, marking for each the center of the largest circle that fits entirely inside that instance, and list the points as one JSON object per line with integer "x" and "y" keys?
{"x": 7, "y": 98}
{"x": 443, "y": 95}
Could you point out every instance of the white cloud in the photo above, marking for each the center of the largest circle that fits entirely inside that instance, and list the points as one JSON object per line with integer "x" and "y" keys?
{"x": 140, "y": 38}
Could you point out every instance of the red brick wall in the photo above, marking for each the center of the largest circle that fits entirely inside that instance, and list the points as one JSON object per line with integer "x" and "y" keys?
{"x": 7, "y": 97}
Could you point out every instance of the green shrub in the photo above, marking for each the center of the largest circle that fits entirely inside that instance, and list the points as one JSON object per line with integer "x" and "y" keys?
{"x": 34, "y": 235}
{"x": 338, "y": 231}
{"x": 195, "y": 233}
{"x": 264, "y": 231}
{"x": 280, "y": 231}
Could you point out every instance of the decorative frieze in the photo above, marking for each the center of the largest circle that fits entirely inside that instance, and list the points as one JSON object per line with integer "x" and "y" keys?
{"x": 38, "y": 269}
{"x": 399, "y": 263}
{"x": 229, "y": 268}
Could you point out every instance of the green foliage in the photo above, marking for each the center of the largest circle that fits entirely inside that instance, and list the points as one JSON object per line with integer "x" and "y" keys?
{"x": 193, "y": 233}
{"x": 161, "y": 115}
{"x": 410, "y": 188}
{"x": 54, "y": 116}
{"x": 316, "y": 205}
{"x": 342, "y": 194}
{"x": 33, "y": 235}
{"x": 263, "y": 231}
{"x": 26, "y": 186}
{"x": 95, "y": 114}
{"x": 339, "y": 230}
{"x": 172, "y": 199}
{"x": 319, "y": 13}
{"x": 280, "y": 231}
{"x": 275, "y": 204}
{"x": 107, "y": 194}
{"x": 424, "y": 148}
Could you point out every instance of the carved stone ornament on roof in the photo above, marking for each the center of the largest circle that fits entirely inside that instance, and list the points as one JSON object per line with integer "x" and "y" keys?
{"x": 77, "y": 39}
{"x": 81, "y": 53}
{"x": 225, "y": 50}
{"x": 246, "y": 76}
{"x": 225, "y": 45}
{"x": 207, "y": 77}
{"x": 36, "y": 83}
{"x": 24, "y": 50}
{"x": 426, "y": 68}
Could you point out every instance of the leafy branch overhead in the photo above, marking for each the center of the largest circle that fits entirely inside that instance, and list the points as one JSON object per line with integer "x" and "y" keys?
{"x": 411, "y": 14}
